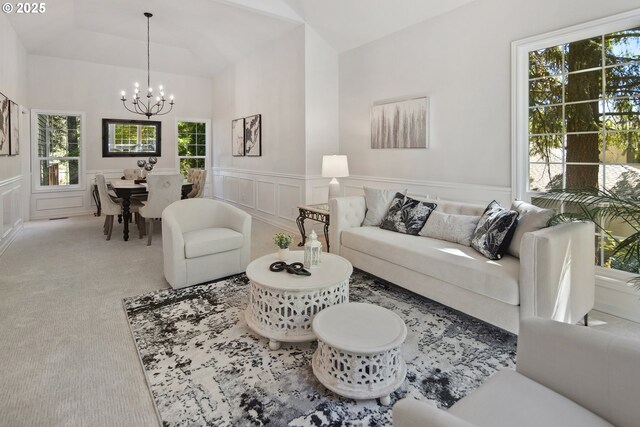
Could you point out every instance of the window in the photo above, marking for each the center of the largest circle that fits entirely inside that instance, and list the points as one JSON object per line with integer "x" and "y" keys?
{"x": 577, "y": 119}
{"x": 193, "y": 142}
{"x": 59, "y": 144}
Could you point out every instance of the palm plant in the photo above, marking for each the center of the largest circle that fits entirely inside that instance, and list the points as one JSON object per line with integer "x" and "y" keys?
{"x": 601, "y": 207}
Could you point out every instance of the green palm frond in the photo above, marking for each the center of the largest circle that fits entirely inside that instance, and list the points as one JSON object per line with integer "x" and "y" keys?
{"x": 601, "y": 207}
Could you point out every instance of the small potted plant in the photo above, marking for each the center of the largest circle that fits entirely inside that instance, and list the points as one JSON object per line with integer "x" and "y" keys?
{"x": 283, "y": 241}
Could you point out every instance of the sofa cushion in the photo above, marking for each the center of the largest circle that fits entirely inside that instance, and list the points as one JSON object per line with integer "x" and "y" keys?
{"x": 407, "y": 215}
{"x": 450, "y": 227}
{"x": 509, "y": 399}
{"x": 211, "y": 241}
{"x": 378, "y": 201}
{"x": 450, "y": 262}
{"x": 530, "y": 218}
{"x": 494, "y": 231}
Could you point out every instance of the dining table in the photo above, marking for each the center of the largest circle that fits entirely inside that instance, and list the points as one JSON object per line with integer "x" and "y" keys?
{"x": 125, "y": 188}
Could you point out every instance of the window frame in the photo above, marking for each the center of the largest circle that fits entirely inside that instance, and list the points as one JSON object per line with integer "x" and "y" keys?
{"x": 207, "y": 132}
{"x": 35, "y": 158}
{"x": 520, "y": 86}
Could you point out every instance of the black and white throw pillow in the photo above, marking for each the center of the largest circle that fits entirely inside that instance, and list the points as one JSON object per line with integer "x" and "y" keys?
{"x": 406, "y": 215}
{"x": 494, "y": 231}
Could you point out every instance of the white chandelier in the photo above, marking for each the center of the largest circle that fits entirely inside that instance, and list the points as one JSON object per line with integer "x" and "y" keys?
{"x": 152, "y": 106}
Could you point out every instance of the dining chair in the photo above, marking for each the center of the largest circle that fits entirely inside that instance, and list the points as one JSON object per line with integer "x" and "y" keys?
{"x": 198, "y": 177}
{"x": 131, "y": 174}
{"x": 112, "y": 207}
{"x": 163, "y": 190}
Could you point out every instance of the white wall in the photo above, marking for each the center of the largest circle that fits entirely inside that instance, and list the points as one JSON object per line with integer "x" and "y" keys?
{"x": 61, "y": 84}
{"x": 270, "y": 82}
{"x": 13, "y": 84}
{"x": 462, "y": 61}
{"x": 321, "y": 111}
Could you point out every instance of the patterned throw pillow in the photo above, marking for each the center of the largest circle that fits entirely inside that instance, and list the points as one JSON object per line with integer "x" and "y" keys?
{"x": 450, "y": 227}
{"x": 494, "y": 231}
{"x": 406, "y": 215}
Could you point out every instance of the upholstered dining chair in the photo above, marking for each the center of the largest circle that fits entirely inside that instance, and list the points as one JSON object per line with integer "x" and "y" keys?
{"x": 131, "y": 174}
{"x": 204, "y": 240}
{"x": 112, "y": 207}
{"x": 163, "y": 190}
{"x": 198, "y": 177}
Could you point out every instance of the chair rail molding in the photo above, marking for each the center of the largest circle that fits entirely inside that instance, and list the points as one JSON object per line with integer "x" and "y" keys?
{"x": 11, "y": 223}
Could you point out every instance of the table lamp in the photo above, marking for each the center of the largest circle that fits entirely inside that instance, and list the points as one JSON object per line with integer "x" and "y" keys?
{"x": 334, "y": 167}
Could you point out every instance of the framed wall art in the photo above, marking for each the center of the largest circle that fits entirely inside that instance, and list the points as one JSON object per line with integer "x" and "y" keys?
{"x": 253, "y": 135}
{"x": 4, "y": 126}
{"x": 237, "y": 138}
{"x": 400, "y": 124}
{"x": 14, "y": 129}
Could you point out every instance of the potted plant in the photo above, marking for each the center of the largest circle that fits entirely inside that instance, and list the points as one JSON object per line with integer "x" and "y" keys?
{"x": 283, "y": 241}
{"x": 602, "y": 207}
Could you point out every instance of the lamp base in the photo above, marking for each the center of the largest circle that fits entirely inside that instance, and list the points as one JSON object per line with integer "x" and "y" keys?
{"x": 334, "y": 189}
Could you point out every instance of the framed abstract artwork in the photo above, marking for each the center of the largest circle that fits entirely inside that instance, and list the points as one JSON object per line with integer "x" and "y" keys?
{"x": 253, "y": 135}
{"x": 14, "y": 129}
{"x": 401, "y": 124}
{"x": 237, "y": 138}
{"x": 4, "y": 126}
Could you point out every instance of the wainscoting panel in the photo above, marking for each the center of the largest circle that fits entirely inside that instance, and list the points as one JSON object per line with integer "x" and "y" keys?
{"x": 10, "y": 210}
{"x": 270, "y": 197}
{"x": 246, "y": 195}
{"x": 266, "y": 197}
{"x": 289, "y": 198}
{"x": 230, "y": 189}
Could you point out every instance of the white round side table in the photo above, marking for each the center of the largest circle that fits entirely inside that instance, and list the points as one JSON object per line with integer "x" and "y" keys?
{"x": 358, "y": 353}
{"x": 282, "y": 305}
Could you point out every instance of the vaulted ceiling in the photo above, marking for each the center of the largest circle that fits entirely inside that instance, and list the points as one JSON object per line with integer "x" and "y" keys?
{"x": 202, "y": 37}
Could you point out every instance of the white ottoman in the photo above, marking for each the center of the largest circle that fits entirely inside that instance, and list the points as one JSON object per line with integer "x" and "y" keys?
{"x": 358, "y": 353}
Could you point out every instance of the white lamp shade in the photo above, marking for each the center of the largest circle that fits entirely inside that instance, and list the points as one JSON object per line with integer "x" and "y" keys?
{"x": 335, "y": 166}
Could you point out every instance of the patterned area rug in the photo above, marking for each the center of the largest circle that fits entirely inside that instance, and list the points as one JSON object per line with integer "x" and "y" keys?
{"x": 206, "y": 367}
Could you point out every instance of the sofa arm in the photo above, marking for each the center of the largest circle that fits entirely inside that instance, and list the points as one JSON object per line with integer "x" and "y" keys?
{"x": 597, "y": 370}
{"x": 557, "y": 272}
{"x": 175, "y": 267}
{"x": 414, "y": 413}
{"x": 345, "y": 212}
{"x": 228, "y": 216}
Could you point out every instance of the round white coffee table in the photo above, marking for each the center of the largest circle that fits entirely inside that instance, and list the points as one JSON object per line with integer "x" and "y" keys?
{"x": 282, "y": 305}
{"x": 358, "y": 353}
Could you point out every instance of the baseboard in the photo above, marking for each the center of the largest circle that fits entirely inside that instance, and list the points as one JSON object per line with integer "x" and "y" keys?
{"x": 49, "y": 215}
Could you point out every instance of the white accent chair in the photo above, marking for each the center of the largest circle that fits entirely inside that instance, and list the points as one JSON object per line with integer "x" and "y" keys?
{"x": 198, "y": 178}
{"x": 163, "y": 190}
{"x": 204, "y": 240}
{"x": 111, "y": 207}
{"x": 566, "y": 375}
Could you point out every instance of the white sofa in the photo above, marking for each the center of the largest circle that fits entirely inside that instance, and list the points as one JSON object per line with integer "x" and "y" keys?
{"x": 204, "y": 240}
{"x": 554, "y": 277}
{"x": 566, "y": 375}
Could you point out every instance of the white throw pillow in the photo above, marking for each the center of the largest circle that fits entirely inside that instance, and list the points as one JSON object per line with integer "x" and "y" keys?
{"x": 450, "y": 227}
{"x": 530, "y": 218}
{"x": 378, "y": 201}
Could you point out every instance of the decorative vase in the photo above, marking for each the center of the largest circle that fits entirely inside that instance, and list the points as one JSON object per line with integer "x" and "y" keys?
{"x": 283, "y": 254}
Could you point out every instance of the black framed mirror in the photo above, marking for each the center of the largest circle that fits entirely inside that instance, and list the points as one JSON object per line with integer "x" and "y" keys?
{"x": 131, "y": 138}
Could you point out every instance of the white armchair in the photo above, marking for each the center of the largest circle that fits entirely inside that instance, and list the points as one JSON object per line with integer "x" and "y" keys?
{"x": 566, "y": 375}
{"x": 204, "y": 240}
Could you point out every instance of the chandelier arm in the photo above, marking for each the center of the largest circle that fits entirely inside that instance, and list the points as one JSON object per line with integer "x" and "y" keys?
{"x": 166, "y": 112}
{"x": 128, "y": 109}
